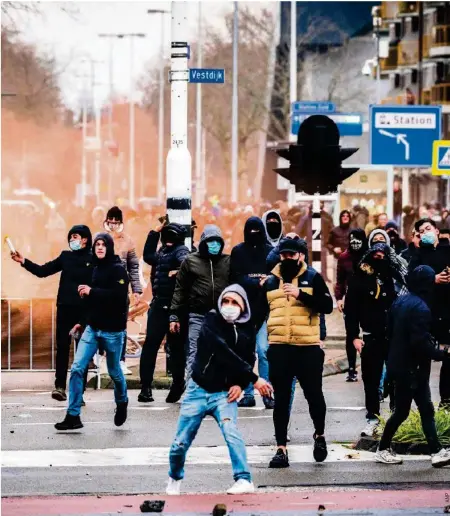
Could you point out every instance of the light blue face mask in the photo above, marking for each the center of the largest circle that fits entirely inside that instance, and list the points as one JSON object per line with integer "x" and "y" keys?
{"x": 75, "y": 245}
{"x": 214, "y": 247}
{"x": 428, "y": 238}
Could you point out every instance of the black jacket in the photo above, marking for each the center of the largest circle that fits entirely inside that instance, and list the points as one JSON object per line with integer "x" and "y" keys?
{"x": 163, "y": 261}
{"x": 75, "y": 267}
{"x": 201, "y": 278}
{"x": 107, "y": 302}
{"x": 369, "y": 298}
{"x": 408, "y": 253}
{"x": 411, "y": 346}
{"x": 248, "y": 265}
{"x": 437, "y": 258}
{"x": 225, "y": 351}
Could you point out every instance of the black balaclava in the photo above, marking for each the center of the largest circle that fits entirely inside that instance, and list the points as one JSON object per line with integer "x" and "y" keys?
{"x": 347, "y": 224}
{"x": 274, "y": 227}
{"x": 381, "y": 267}
{"x": 254, "y": 233}
{"x": 173, "y": 234}
{"x": 357, "y": 245}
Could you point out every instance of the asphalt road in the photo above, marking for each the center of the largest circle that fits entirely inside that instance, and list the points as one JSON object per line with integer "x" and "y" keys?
{"x": 101, "y": 458}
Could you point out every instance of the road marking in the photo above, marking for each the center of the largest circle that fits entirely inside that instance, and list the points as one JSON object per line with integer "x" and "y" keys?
{"x": 46, "y": 408}
{"x": 346, "y": 408}
{"x": 37, "y": 424}
{"x": 159, "y": 456}
{"x": 14, "y": 404}
{"x": 149, "y": 408}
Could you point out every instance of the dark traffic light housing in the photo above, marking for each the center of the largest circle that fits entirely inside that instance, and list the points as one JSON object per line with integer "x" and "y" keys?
{"x": 315, "y": 161}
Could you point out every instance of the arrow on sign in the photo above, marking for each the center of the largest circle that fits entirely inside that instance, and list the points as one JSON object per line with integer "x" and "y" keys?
{"x": 400, "y": 138}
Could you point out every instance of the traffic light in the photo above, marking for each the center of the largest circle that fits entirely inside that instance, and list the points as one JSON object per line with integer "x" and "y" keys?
{"x": 315, "y": 160}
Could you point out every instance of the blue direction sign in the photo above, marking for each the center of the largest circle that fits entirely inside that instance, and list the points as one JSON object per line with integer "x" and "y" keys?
{"x": 403, "y": 136}
{"x": 349, "y": 124}
{"x": 207, "y": 75}
{"x": 307, "y": 106}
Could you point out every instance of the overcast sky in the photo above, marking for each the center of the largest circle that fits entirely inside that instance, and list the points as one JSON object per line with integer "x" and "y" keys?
{"x": 69, "y": 39}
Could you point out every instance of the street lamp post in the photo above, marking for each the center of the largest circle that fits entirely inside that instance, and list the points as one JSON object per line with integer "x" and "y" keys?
{"x": 377, "y": 21}
{"x": 234, "y": 109}
{"x": 161, "y": 105}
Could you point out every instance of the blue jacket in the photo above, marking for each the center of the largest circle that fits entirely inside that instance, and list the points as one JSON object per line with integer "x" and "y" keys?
{"x": 163, "y": 261}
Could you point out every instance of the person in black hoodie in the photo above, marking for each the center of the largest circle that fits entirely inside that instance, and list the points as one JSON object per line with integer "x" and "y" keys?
{"x": 397, "y": 243}
{"x": 105, "y": 323}
{"x": 165, "y": 264}
{"x": 76, "y": 268}
{"x": 370, "y": 294}
{"x": 223, "y": 366}
{"x": 247, "y": 268}
{"x": 411, "y": 350}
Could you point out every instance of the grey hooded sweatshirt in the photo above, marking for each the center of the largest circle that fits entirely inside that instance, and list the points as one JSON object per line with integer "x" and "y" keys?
{"x": 201, "y": 279}
{"x": 274, "y": 232}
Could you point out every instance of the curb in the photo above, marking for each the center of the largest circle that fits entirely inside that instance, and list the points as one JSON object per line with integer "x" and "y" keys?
{"x": 336, "y": 366}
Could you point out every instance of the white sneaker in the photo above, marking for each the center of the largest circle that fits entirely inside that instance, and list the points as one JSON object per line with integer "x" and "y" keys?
{"x": 371, "y": 428}
{"x": 387, "y": 457}
{"x": 441, "y": 459}
{"x": 125, "y": 369}
{"x": 173, "y": 487}
{"x": 241, "y": 486}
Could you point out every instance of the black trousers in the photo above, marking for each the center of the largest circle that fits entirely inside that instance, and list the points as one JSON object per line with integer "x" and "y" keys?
{"x": 373, "y": 357}
{"x": 305, "y": 363}
{"x": 406, "y": 390}
{"x": 66, "y": 318}
{"x": 351, "y": 353}
{"x": 444, "y": 382}
{"x": 441, "y": 331}
{"x": 157, "y": 328}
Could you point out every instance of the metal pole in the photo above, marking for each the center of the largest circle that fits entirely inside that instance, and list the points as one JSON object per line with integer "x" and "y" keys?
{"x": 203, "y": 181}
{"x": 97, "y": 154}
{"x": 420, "y": 60}
{"x": 179, "y": 163}
{"x": 293, "y": 55}
{"x": 161, "y": 117}
{"x": 316, "y": 235}
{"x": 111, "y": 90}
{"x": 132, "y": 129}
{"x": 83, "y": 152}
{"x": 234, "y": 110}
{"x": 378, "y": 80}
{"x": 198, "y": 123}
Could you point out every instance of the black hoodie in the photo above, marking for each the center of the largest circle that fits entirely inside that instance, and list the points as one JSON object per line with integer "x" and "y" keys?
{"x": 75, "y": 268}
{"x": 107, "y": 302}
{"x": 248, "y": 265}
{"x": 409, "y": 327}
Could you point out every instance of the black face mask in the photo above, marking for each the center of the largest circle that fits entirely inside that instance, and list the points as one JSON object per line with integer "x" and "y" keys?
{"x": 289, "y": 269}
{"x": 255, "y": 238}
{"x": 170, "y": 237}
{"x": 393, "y": 235}
{"x": 381, "y": 267}
{"x": 273, "y": 229}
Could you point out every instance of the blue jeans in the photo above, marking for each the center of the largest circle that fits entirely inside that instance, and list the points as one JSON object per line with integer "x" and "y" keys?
{"x": 197, "y": 404}
{"x": 262, "y": 345}
{"x": 91, "y": 340}
{"x": 195, "y": 325}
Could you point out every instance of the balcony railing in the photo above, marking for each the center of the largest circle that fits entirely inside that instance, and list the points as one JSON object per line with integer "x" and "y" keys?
{"x": 408, "y": 52}
{"x": 441, "y": 36}
{"x": 440, "y": 93}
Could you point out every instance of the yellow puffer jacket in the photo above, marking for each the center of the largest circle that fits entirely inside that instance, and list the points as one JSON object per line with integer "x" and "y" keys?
{"x": 290, "y": 321}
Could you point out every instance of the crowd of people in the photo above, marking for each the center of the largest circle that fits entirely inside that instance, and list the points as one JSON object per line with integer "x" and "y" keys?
{"x": 219, "y": 311}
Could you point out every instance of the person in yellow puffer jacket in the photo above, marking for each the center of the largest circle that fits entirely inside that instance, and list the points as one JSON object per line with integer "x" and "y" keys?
{"x": 296, "y": 295}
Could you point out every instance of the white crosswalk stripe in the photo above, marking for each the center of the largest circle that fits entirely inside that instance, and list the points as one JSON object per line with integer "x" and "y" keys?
{"x": 159, "y": 456}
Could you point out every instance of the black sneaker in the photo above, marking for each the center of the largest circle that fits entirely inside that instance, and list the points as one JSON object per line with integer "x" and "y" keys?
{"x": 352, "y": 376}
{"x": 59, "y": 394}
{"x": 320, "y": 451}
{"x": 247, "y": 402}
{"x": 175, "y": 393}
{"x": 269, "y": 403}
{"x": 69, "y": 423}
{"x": 145, "y": 396}
{"x": 121, "y": 413}
{"x": 279, "y": 460}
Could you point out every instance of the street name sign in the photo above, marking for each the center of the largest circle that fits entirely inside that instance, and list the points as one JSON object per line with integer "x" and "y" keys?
{"x": 441, "y": 158}
{"x": 349, "y": 124}
{"x": 312, "y": 106}
{"x": 403, "y": 136}
{"x": 207, "y": 75}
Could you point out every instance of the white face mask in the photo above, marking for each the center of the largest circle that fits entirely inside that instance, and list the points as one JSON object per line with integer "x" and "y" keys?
{"x": 230, "y": 313}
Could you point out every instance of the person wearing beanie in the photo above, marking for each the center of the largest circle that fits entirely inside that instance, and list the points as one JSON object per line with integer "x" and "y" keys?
{"x": 75, "y": 266}
{"x": 103, "y": 325}
{"x": 125, "y": 248}
{"x": 222, "y": 368}
{"x": 346, "y": 266}
{"x": 200, "y": 281}
{"x": 397, "y": 243}
{"x": 247, "y": 268}
{"x": 296, "y": 294}
{"x": 165, "y": 263}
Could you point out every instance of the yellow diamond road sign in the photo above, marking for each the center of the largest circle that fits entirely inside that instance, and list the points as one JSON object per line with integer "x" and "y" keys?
{"x": 441, "y": 158}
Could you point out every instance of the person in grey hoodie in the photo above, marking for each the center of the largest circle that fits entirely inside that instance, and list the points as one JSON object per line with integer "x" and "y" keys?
{"x": 273, "y": 226}
{"x": 200, "y": 281}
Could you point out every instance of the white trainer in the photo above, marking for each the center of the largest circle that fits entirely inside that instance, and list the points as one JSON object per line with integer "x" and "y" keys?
{"x": 387, "y": 457}
{"x": 125, "y": 369}
{"x": 441, "y": 459}
{"x": 371, "y": 428}
{"x": 241, "y": 486}
{"x": 173, "y": 487}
